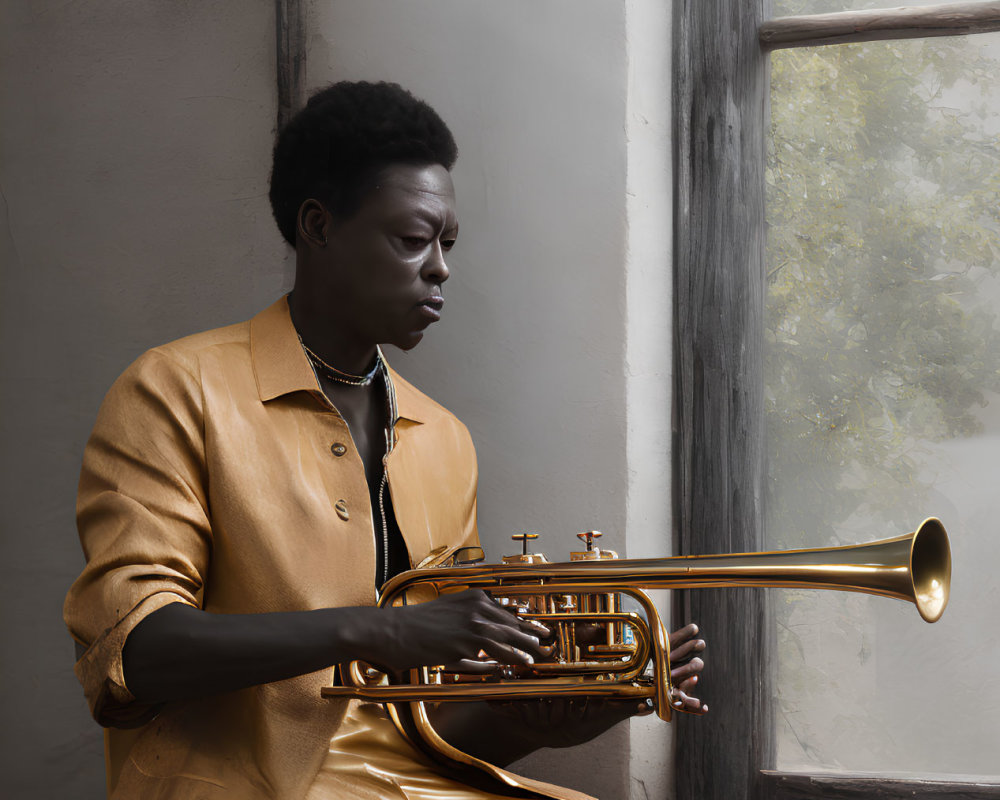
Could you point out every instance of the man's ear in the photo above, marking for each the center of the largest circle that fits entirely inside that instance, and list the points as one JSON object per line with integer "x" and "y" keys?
{"x": 312, "y": 223}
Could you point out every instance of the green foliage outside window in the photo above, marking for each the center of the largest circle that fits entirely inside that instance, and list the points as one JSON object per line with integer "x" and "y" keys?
{"x": 883, "y": 226}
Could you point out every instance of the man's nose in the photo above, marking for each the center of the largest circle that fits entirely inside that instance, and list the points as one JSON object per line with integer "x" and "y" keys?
{"x": 435, "y": 269}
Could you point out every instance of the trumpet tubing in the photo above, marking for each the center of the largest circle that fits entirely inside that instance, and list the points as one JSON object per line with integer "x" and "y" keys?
{"x": 602, "y": 648}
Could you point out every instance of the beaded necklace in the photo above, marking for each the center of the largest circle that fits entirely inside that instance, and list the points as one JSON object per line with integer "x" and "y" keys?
{"x": 340, "y": 376}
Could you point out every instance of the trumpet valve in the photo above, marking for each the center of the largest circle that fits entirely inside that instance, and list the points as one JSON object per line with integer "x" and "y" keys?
{"x": 518, "y": 605}
{"x": 566, "y": 603}
{"x": 524, "y": 557}
{"x": 587, "y": 537}
{"x": 592, "y": 553}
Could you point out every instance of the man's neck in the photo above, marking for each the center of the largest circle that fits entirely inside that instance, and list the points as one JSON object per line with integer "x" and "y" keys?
{"x": 319, "y": 330}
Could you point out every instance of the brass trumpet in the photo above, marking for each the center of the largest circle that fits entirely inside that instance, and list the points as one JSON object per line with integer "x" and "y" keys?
{"x": 598, "y": 592}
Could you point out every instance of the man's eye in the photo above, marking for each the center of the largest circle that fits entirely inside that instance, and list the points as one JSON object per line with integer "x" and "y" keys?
{"x": 414, "y": 242}
{"x": 447, "y": 244}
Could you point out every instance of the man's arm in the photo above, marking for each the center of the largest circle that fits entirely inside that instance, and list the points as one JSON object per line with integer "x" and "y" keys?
{"x": 179, "y": 651}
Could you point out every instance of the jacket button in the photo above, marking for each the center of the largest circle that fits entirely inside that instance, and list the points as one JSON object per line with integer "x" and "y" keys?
{"x": 338, "y": 449}
{"x": 341, "y": 508}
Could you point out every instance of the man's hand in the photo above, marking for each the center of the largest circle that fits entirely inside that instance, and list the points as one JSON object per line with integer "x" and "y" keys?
{"x": 685, "y": 667}
{"x": 503, "y": 731}
{"x": 458, "y": 630}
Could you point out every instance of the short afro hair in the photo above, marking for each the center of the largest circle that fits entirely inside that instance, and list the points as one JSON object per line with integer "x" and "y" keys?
{"x": 333, "y": 148}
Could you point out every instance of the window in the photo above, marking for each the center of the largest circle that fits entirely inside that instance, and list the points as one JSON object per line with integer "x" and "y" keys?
{"x": 721, "y": 278}
{"x": 882, "y": 363}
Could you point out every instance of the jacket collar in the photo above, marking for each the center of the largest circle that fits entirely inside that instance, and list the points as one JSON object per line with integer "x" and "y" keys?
{"x": 281, "y": 367}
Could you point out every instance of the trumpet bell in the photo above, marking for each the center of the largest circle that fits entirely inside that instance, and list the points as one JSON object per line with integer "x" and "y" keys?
{"x": 930, "y": 569}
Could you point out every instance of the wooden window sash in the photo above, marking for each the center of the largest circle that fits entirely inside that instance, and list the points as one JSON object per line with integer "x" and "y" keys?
{"x": 950, "y": 19}
{"x": 290, "y": 57}
{"x": 818, "y": 786}
{"x": 721, "y": 91}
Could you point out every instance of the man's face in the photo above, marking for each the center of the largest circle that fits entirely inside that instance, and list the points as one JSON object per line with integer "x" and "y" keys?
{"x": 387, "y": 262}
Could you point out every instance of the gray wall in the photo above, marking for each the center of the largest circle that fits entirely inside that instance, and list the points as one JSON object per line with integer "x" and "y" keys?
{"x": 135, "y": 139}
{"x": 135, "y": 152}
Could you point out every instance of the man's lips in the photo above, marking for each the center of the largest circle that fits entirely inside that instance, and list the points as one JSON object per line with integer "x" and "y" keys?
{"x": 430, "y": 307}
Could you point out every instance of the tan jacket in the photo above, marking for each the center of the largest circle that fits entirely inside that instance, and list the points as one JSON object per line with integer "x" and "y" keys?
{"x": 211, "y": 478}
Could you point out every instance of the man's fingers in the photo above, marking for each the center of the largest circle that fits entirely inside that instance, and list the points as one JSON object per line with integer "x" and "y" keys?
{"x": 533, "y": 627}
{"x": 681, "y": 635}
{"x": 472, "y": 666}
{"x": 507, "y": 615}
{"x": 686, "y": 650}
{"x": 685, "y": 671}
{"x": 508, "y": 654}
{"x": 514, "y": 638}
{"x": 682, "y": 701}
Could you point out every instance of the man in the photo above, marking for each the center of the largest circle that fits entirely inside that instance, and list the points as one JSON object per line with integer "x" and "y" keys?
{"x": 246, "y": 490}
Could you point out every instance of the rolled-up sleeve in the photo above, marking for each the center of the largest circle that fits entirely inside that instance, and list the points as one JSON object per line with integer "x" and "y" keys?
{"x": 143, "y": 520}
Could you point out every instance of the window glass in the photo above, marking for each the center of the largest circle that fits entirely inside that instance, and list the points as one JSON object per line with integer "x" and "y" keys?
{"x": 883, "y": 392}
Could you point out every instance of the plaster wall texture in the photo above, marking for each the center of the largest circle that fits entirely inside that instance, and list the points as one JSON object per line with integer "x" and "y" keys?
{"x": 133, "y": 166}
{"x": 648, "y": 342}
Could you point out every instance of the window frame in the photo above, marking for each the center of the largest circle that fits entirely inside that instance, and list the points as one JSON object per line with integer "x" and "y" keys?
{"x": 721, "y": 95}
